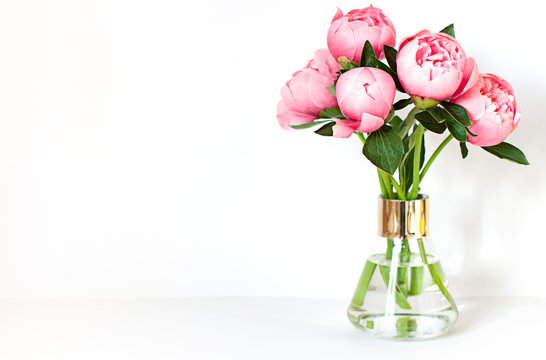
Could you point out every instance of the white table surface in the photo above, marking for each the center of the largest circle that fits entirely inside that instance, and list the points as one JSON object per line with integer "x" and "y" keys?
{"x": 251, "y": 328}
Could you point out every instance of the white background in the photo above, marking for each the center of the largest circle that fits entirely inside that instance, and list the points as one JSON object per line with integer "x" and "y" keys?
{"x": 140, "y": 153}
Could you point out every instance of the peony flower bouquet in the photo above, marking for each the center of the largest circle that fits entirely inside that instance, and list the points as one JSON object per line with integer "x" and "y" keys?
{"x": 350, "y": 89}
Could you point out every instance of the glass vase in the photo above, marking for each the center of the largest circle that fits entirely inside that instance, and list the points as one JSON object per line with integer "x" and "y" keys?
{"x": 402, "y": 292}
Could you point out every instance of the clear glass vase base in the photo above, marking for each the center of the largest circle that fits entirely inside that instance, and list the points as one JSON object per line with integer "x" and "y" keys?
{"x": 402, "y": 294}
{"x": 403, "y": 327}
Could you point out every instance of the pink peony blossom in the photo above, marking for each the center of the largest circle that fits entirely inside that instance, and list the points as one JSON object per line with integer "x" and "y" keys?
{"x": 492, "y": 108}
{"x": 348, "y": 33}
{"x": 305, "y": 95}
{"x": 365, "y": 96}
{"x": 435, "y": 66}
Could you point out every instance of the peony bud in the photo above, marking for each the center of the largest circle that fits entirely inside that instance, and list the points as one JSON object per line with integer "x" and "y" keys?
{"x": 365, "y": 96}
{"x": 348, "y": 33}
{"x": 305, "y": 95}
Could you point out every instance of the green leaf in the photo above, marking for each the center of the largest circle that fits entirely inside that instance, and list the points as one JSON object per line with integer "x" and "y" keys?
{"x": 332, "y": 89}
{"x": 400, "y": 104}
{"x": 395, "y": 122}
{"x": 376, "y": 63}
{"x": 464, "y": 150}
{"x": 384, "y": 148}
{"x": 326, "y": 130}
{"x": 438, "y": 114}
{"x": 430, "y": 123}
{"x": 390, "y": 55}
{"x": 457, "y": 112}
{"x": 332, "y": 112}
{"x": 367, "y": 54}
{"x": 308, "y": 125}
{"x": 507, "y": 151}
{"x": 450, "y": 30}
{"x": 457, "y": 130}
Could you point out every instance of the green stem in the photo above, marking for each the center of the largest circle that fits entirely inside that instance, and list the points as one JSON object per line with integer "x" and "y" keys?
{"x": 390, "y": 246}
{"x": 434, "y": 155}
{"x": 408, "y": 123}
{"x": 382, "y": 185}
{"x": 416, "y": 286}
{"x": 422, "y": 250}
{"x": 435, "y": 273}
{"x": 416, "y": 162}
{"x": 388, "y": 179}
{"x": 385, "y": 186}
{"x": 400, "y": 297}
{"x": 363, "y": 284}
{"x": 405, "y": 252}
{"x": 398, "y": 188}
{"x": 387, "y": 182}
{"x": 400, "y": 280}
{"x": 361, "y": 137}
{"x": 417, "y": 274}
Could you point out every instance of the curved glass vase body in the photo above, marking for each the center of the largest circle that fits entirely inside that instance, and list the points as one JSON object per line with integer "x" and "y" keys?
{"x": 402, "y": 292}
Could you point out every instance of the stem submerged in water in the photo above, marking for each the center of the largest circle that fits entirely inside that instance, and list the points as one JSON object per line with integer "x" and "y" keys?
{"x": 363, "y": 284}
{"x": 400, "y": 280}
{"x": 417, "y": 274}
{"x": 436, "y": 274}
{"x": 405, "y": 255}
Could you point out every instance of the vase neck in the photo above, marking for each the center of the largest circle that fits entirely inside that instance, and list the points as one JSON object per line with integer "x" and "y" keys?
{"x": 403, "y": 219}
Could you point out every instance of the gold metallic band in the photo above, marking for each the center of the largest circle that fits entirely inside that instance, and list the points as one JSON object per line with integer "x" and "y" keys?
{"x": 402, "y": 219}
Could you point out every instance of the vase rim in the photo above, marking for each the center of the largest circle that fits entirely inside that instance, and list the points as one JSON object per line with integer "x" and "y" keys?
{"x": 420, "y": 197}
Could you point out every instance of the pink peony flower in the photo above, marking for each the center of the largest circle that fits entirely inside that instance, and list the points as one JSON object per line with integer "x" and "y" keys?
{"x": 435, "y": 66}
{"x": 305, "y": 95}
{"x": 348, "y": 33}
{"x": 365, "y": 96}
{"x": 492, "y": 109}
